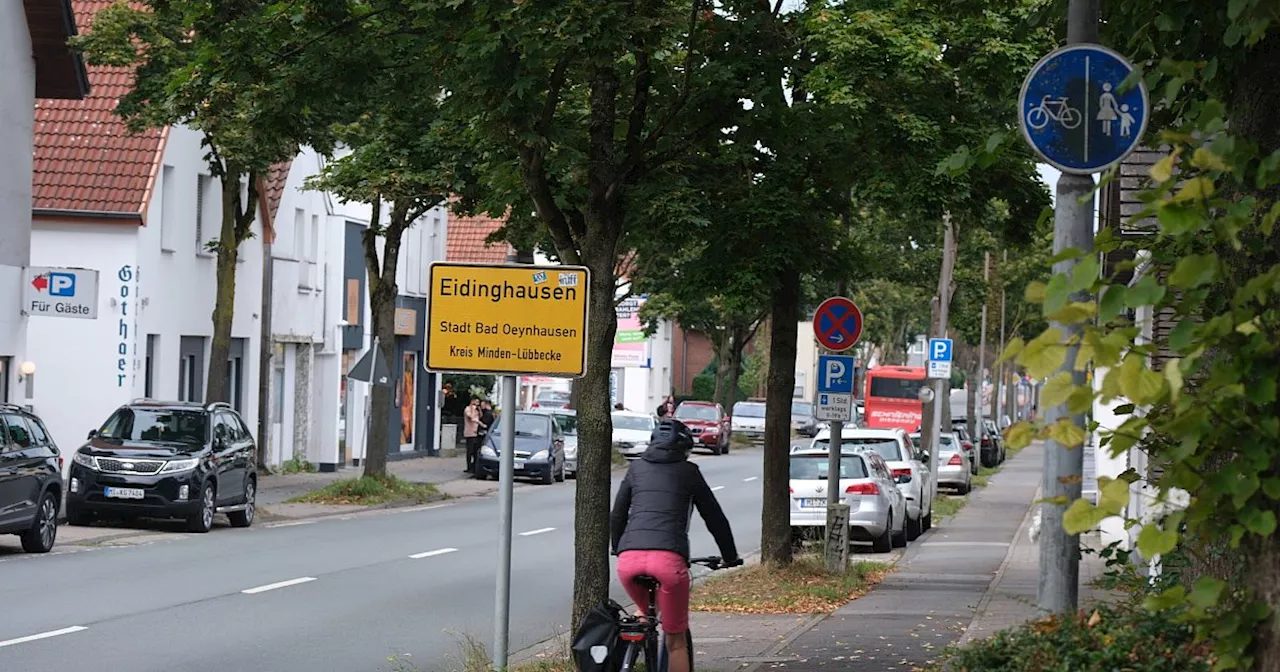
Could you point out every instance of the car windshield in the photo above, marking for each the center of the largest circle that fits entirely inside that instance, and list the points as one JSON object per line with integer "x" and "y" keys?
{"x": 160, "y": 425}
{"x": 531, "y": 425}
{"x": 801, "y": 408}
{"x": 814, "y": 467}
{"x": 636, "y": 422}
{"x": 696, "y": 412}
{"x": 888, "y": 448}
{"x": 568, "y": 423}
{"x": 748, "y": 409}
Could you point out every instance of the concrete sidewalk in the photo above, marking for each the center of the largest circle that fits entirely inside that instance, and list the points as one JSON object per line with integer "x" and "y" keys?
{"x": 968, "y": 578}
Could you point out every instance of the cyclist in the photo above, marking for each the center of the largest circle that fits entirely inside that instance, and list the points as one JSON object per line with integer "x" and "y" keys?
{"x": 650, "y": 529}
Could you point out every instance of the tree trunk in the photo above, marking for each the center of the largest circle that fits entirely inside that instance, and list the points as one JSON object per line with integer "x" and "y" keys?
{"x": 723, "y": 345}
{"x": 737, "y": 344}
{"x": 224, "y": 303}
{"x": 595, "y": 431}
{"x": 775, "y": 520}
{"x": 1256, "y": 98}
{"x": 382, "y": 310}
{"x": 972, "y": 388}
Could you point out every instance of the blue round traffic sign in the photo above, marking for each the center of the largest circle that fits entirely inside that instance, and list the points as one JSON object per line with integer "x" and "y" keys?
{"x": 837, "y": 324}
{"x": 1074, "y": 114}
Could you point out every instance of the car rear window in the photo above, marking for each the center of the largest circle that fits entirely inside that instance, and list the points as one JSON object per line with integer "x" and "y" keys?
{"x": 889, "y": 449}
{"x": 814, "y": 467}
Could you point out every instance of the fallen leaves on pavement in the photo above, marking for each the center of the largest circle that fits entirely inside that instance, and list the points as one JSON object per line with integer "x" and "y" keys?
{"x": 803, "y": 587}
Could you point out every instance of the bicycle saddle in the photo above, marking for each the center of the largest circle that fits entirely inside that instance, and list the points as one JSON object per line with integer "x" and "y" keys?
{"x": 646, "y": 581}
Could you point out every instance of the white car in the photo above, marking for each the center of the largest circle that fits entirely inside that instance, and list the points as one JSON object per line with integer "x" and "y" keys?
{"x": 906, "y": 463}
{"x": 953, "y": 466}
{"x": 631, "y": 432}
{"x": 877, "y": 508}
{"x": 748, "y": 420}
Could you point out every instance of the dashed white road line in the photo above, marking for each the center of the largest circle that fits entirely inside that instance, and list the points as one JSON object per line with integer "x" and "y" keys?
{"x": 428, "y": 554}
{"x": 294, "y": 523}
{"x": 965, "y": 543}
{"x": 43, "y": 635}
{"x": 530, "y": 533}
{"x": 281, "y": 584}
{"x": 718, "y": 488}
{"x": 748, "y": 480}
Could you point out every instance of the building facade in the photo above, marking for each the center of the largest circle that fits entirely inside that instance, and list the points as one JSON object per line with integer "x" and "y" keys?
{"x": 35, "y": 63}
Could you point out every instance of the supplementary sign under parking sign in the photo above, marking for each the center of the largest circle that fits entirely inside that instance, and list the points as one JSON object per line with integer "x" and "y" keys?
{"x": 834, "y": 407}
{"x": 513, "y": 320}
{"x": 940, "y": 358}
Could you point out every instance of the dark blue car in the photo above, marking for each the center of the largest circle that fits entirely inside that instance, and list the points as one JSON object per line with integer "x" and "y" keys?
{"x": 539, "y": 449}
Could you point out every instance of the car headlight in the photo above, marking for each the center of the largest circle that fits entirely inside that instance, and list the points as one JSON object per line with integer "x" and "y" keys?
{"x": 488, "y": 451}
{"x": 570, "y": 452}
{"x": 176, "y": 466}
{"x": 87, "y": 461}
{"x": 540, "y": 455}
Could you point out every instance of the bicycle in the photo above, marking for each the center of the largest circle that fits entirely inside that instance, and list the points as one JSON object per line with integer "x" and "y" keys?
{"x": 642, "y": 634}
{"x": 1066, "y": 115}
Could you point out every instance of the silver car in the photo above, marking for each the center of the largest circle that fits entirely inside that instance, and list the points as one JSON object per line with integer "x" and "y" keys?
{"x": 567, "y": 419}
{"x": 954, "y": 470}
{"x": 631, "y": 432}
{"x": 877, "y": 508}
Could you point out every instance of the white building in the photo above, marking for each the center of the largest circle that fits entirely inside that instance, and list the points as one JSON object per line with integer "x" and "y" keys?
{"x": 415, "y": 417}
{"x": 35, "y": 62}
{"x": 139, "y": 210}
{"x": 305, "y": 283}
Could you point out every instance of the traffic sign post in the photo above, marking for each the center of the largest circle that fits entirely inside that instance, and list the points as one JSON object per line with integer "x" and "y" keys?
{"x": 1074, "y": 112}
{"x": 940, "y": 350}
{"x": 837, "y": 324}
{"x": 507, "y": 319}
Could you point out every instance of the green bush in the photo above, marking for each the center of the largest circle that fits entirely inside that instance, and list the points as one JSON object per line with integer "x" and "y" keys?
{"x": 704, "y": 387}
{"x": 1110, "y": 638}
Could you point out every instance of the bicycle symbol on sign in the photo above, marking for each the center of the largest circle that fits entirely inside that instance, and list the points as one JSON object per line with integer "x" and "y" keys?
{"x": 1054, "y": 109}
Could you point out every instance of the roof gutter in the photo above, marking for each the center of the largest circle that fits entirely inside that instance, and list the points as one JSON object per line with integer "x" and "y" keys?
{"x": 86, "y": 214}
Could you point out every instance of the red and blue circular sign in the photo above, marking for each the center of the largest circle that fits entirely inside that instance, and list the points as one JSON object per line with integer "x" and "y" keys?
{"x": 838, "y": 324}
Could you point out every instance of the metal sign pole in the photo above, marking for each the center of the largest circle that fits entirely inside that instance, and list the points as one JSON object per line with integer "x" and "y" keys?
{"x": 506, "y": 478}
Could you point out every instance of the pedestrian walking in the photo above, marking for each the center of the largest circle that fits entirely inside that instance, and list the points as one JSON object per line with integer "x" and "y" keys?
{"x": 486, "y": 417}
{"x": 668, "y": 407}
{"x": 471, "y": 433}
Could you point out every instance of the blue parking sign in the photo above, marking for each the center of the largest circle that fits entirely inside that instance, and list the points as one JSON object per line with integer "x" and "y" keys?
{"x": 835, "y": 374}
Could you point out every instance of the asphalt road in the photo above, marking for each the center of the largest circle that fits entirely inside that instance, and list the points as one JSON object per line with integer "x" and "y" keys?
{"x": 329, "y": 595}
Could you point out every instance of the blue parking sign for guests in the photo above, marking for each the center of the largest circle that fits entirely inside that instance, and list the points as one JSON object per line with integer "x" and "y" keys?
{"x": 1073, "y": 112}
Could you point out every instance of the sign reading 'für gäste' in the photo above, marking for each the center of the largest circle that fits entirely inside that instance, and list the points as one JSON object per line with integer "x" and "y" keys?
{"x": 507, "y": 319}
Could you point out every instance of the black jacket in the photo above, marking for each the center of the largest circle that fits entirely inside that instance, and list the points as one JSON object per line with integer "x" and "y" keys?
{"x": 655, "y": 503}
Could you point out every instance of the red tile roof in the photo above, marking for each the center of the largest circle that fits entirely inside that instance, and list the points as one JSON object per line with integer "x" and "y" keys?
{"x": 270, "y": 193}
{"x": 85, "y": 159}
{"x": 466, "y": 240}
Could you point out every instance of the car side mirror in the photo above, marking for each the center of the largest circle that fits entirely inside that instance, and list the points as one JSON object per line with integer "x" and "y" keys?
{"x": 93, "y": 433}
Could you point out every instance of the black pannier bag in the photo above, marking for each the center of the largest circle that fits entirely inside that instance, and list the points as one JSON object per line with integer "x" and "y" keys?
{"x": 595, "y": 644}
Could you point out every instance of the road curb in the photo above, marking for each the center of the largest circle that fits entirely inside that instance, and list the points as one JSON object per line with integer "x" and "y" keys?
{"x": 987, "y": 596}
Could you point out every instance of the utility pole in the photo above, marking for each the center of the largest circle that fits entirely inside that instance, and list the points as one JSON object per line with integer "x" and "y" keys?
{"x": 1059, "y": 587}
{"x": 998, "y": 393}
{"x": 982, "y": 347}
{"x": 941, "y": 393}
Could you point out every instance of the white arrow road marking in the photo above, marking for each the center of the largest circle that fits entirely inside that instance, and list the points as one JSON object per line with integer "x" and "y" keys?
{"x": 43, "y": 635}
{"x": 428, "y": 554}
{"x": 282, "y": 584}
{"x": 530, "y": 533}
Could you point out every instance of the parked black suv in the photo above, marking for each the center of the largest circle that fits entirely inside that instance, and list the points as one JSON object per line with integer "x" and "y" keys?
{"x": 30, "y": 480}
{"x": 158, "y": 459}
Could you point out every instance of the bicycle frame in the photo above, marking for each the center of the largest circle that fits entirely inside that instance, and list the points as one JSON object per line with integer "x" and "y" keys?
{"x": 644, "y": 636}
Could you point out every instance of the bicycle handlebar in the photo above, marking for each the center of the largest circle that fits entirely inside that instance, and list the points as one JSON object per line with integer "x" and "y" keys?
{"x": 714, "y": 562}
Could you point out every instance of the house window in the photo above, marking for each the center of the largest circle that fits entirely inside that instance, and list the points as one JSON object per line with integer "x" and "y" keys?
{"x": 314, "y": 259}
{"x": 299, "y": 235}
{"x": 149, "y": 376}
{"x": 191, "y": 356}
{"x": 206, "y": 222}
{"x": 168, "y": 210}
{"x": 187, "y": 379}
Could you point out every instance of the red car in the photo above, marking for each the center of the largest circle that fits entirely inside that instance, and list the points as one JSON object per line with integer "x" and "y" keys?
{"x": 708, "y": 423}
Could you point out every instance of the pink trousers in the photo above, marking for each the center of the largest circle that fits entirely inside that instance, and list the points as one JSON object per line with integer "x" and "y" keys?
{"x": 672, "y": 573}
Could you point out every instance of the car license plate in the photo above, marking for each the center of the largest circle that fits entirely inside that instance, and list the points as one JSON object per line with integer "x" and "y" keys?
{"x": 125, "y": 493}
{"x": 519, "y": 464}
{"x": 813, "y": 503}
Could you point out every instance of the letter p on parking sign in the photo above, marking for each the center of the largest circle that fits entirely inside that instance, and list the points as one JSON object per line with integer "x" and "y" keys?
{"x": 835, "y": 374}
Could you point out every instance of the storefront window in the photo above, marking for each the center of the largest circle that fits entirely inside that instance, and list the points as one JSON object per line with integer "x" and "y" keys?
{"x": 408, "y": 385}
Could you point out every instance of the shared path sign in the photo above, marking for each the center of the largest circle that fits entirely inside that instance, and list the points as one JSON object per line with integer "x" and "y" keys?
{"x": 507, "y": 319}
{"x": 1074, "y": 113}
